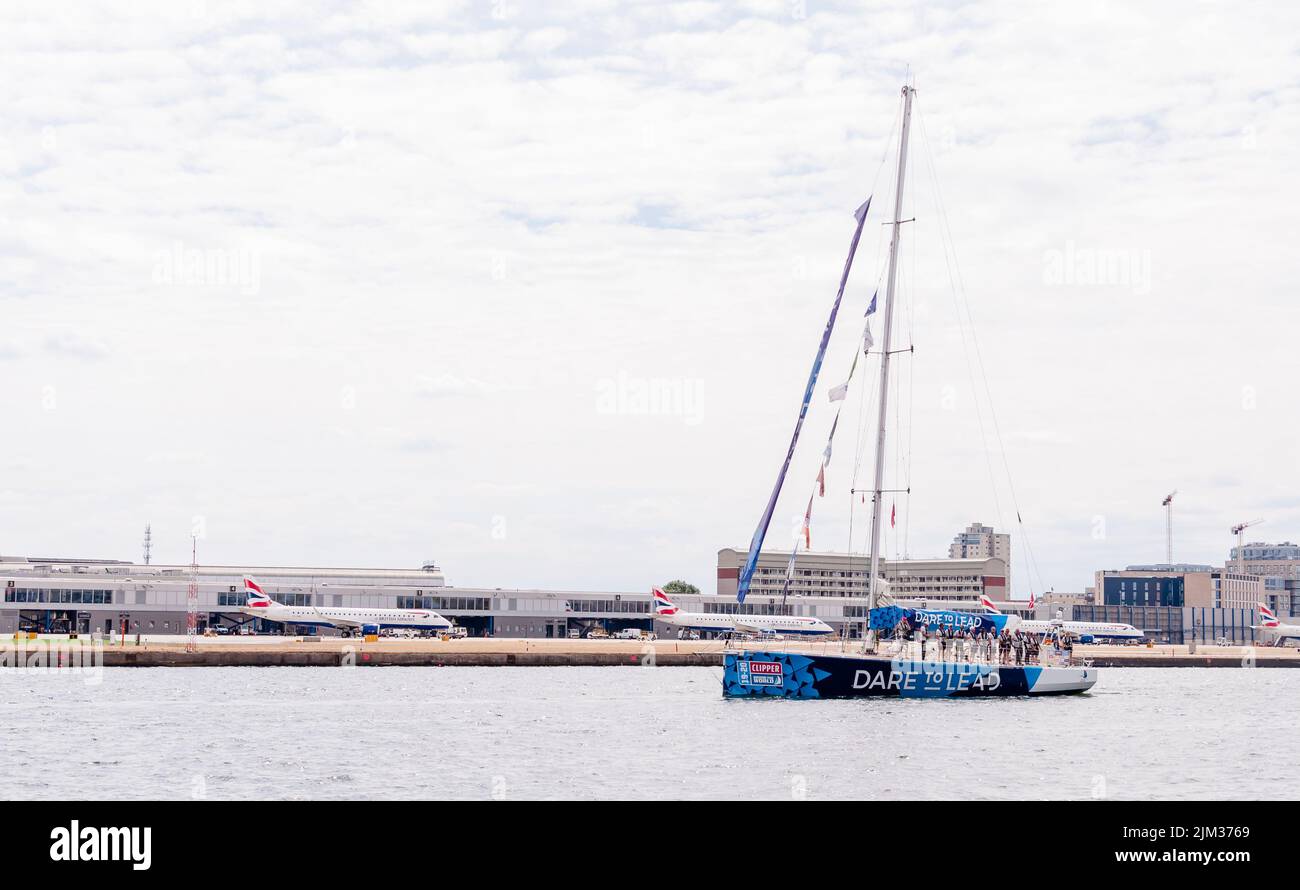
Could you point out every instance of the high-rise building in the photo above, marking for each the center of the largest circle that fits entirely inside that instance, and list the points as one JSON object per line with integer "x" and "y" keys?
{"x": 979, "y": 541}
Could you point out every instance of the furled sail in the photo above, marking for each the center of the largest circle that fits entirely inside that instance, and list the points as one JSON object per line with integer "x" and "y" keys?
{"x": 751, "y": 562}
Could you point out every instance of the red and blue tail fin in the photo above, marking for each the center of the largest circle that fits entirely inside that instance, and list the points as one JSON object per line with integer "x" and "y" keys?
{"x": 256, "y": 596}
{"x": 663, "y": 605}
{"x": 1266, "y": 616}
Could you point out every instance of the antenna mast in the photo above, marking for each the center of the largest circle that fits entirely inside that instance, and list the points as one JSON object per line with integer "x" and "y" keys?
{"x": 192, "y": 599}
{"x": 877, "y": 490}
{"x": 148, "y": 542}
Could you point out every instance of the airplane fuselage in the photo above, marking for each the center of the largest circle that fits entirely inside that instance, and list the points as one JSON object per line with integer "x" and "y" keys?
{"x": 1100, "y": 630}
{"x": 780, "y": 624}
{"x": 1279, "y": 634}
{"x": 350, "y": 619}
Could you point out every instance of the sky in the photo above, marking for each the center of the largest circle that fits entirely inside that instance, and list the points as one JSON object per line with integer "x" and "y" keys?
{"x": 532, "y": 290}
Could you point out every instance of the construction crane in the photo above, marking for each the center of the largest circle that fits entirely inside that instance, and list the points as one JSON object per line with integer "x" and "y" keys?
{"x": 1237, "y": 530}
{"x": 1168, "y": 504}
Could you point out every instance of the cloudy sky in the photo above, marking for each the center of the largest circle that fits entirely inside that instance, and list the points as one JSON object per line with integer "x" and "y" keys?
{"x": 534, "y": 294}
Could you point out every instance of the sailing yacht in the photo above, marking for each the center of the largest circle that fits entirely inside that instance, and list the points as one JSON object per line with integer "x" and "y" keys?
{"x": 795, "y": 673}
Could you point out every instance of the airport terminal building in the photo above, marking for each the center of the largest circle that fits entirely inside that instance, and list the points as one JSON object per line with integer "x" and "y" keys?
{"x": 62, "y": 595}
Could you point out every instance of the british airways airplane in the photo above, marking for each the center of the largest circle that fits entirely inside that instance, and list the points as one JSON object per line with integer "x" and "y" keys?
{"x": 260, "y": 605}
{"x": 1086, "y": 631}
{"x": 668, "y": 613}
{"x": 1279, "y": 633}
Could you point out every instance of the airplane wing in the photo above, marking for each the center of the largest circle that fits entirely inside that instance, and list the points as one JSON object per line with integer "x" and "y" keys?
{"x": 336, "y": 621}
{"x": 344, "y": 622}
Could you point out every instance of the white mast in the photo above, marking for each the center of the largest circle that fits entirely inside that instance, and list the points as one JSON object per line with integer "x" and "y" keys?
{"x": 877, "y": 498}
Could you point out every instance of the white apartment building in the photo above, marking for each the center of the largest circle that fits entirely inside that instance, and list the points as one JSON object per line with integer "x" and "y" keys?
{"x": 845, "y": 575}
{"x": 979, "y": 541}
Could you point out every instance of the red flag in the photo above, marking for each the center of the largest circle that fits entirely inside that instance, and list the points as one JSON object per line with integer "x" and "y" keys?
{"x": 892, "y": 510}
{"x": 807, "y": 526}
{"x": 1031, "y": 599}
{"x": 821, "y": 482}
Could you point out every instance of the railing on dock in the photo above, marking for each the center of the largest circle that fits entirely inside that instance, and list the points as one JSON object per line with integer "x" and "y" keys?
{"x": 957, "y": 650}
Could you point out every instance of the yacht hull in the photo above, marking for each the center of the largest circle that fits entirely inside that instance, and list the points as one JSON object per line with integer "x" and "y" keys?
{"x": 795, "y": 675}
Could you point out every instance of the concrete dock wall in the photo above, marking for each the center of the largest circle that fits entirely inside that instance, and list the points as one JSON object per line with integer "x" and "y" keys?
{"x": 367, "y": 658}
{"x": 293, "y": 652}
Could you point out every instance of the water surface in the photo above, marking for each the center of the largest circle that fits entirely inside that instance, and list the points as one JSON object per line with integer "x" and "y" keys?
{"x": 608, "y": 732}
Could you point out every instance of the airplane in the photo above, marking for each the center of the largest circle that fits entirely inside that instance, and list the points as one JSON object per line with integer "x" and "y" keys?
{"x": 766, "y": 625}
{"x": 350, "y": 621}
{"x": 1281, "y": 633}
{"x": 1086, "y": 631}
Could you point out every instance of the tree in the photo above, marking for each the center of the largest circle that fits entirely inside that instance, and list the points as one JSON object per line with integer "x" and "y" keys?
{"x": 680, "y": 587}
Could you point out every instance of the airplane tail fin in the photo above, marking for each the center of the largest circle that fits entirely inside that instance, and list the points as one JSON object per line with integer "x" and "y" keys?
{"x": 256, "y": 597}
{"x": 663, "y": 605}
{"x": 988, "y": 604}
{"x": 1266, "y": 616}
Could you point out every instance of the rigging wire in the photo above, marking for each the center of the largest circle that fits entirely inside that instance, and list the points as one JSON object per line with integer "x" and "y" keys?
{"x": 867, "y": 399}
{"x": 909, "y": 306}
{"x": 961, "y": 302}
{"x": 875, "y": 182}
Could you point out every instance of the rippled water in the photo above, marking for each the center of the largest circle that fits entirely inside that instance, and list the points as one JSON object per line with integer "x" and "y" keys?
{"x": 270, "y": 733}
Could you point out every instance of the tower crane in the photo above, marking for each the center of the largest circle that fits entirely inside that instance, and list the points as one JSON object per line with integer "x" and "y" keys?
{"x": 1168, "y": 504}
{"x": 1237, "y": 530}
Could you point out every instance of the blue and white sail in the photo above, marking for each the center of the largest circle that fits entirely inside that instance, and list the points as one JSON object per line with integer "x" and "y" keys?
{"x": 755, "y": 545}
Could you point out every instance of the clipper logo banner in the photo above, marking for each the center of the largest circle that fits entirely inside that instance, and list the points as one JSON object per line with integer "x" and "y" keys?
{"x": 761, "y": 673}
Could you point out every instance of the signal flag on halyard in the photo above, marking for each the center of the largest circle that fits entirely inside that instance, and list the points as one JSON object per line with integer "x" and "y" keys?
{"x": 872, "y": 307}
{"x": 756, "y": 543}
{"x": 1031, "y": 600}
{"x": 807, "y": 525}
{"x": 893, "y": 511}
{"x": 837, "y": 393}
{"x": 830, "y": 440}
{"x": 789, "y": 569}
{"x": 821, "y": 481}
{"x": 867, "y": 339}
